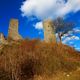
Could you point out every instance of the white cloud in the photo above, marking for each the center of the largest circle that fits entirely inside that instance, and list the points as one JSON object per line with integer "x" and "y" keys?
{"x": 78, "y": 49}
{"x": 43, "y": 9}
{"x": 70, "y": 38}
{"x": 76, "y": 30}
{"x": 38, "y": 25}
{"x": 66, "y": 39}
{"x": 70, "y": 42}
{"x": 75, "y": 37}
{"x": 70, "y": 32}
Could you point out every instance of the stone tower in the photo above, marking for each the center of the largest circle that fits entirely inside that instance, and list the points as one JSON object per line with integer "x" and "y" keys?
{"x": 13, "y": 30}
{"x": 49, "y": 31}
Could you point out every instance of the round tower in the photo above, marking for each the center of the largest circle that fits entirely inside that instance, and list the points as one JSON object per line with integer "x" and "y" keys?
{"x": 49, "y": 31}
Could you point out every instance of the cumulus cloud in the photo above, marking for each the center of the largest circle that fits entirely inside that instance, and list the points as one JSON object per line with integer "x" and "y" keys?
{"x": 39, "y": 25}
{"x": 43, "y": 9}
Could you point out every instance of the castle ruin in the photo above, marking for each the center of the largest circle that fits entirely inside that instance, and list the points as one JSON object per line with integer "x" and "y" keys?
{"x": 13, "y": 34}
{"x": 49, "y": 31}
{"x": 13, "y": 30}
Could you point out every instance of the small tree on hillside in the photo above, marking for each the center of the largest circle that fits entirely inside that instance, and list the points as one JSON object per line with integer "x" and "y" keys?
{"x": 62, "y": 27}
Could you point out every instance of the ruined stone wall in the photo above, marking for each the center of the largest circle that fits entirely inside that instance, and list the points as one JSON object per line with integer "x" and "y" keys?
{"x": 49, "y": 32}
{"x": 13, "y": 30}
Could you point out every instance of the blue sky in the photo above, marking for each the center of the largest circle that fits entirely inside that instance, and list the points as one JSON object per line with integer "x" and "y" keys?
{"x": 31, "y": 13}
{"x": 11, "y": 9}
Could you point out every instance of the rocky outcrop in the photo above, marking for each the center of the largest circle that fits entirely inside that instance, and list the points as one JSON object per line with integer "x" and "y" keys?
{"x": 49, "y": 31}
{"x": 13, "y": 30}
{"x": 2, "y": 39}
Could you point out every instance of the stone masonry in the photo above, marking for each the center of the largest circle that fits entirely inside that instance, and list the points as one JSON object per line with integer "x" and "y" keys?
{"x": 49, "y": 31}
{"x": 13, "y": 30}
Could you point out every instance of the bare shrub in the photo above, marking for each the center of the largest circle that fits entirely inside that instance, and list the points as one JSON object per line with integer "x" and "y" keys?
{"x": 32, "y": 57}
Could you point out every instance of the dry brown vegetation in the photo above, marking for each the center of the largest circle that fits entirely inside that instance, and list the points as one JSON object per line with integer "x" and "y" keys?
{"x": 36, "y": 60}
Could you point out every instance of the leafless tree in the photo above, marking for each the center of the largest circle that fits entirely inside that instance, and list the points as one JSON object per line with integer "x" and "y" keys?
{"x": 62, "y": 27}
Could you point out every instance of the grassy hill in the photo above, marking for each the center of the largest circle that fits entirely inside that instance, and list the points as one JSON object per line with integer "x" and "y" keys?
{"x": 37, "y": 60}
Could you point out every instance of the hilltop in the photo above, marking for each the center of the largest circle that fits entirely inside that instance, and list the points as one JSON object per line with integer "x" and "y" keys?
{"x": 38, "y": 60}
